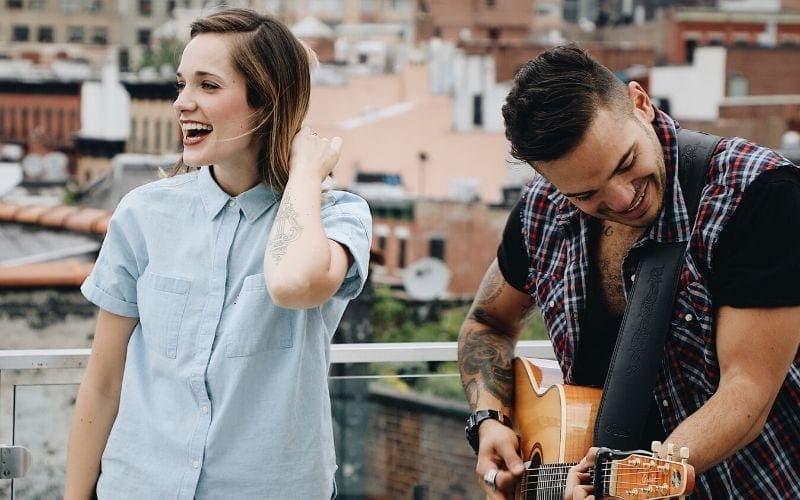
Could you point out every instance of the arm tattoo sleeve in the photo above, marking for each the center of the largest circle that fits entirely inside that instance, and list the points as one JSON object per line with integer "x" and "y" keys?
{"x": 287, "y": 229}
{"x": 486, "y": 364}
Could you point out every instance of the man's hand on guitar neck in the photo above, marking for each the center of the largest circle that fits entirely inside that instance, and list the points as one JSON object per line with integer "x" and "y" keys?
{"x": 498, "y": 450}
{"x": 578, "y": 477}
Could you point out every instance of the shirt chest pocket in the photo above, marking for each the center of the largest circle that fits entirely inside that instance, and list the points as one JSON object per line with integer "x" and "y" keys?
{"x": 692, "y": 329}
{"x": 255, "y": 324}
{"x": 162, "y": 302}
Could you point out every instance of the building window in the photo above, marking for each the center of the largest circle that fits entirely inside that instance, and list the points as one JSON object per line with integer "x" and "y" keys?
{"x": 133, "y": 135}
{"x": 100, "y": 36}
{"x": 48, "y": 121}
{"x": 20, "y": 33}
{"x": 494, "y": 33}
{"x": 14, "y": 4}
{"x": 45, "y": 34}
{"x": 436, "y": 248}
{"x": 24, "y": 119}
{"x": 145, "y": 8}
{"x": 96, "y": 6}
{"x": 145, "y": 132}
{"x": 490, "y": 3}
{"x": 70, "y": 6}
{"x": 74, "y": 125}
{"x": 691, "y": 45}
{"x": 170, "y": 6}
{"x": 382, "y": 243}
{"x": 401, "y": 254}
{"x": 157, "y": 141}
{"x": 477, "y": 110}
{"x": 61, "y": 125}
{"x": 737, "y": 85}
{"x": 143, "y": 36}
{"x": 12, "y": 117}
{"x": 37, "y": 4}
{"x": 75, "y": 34}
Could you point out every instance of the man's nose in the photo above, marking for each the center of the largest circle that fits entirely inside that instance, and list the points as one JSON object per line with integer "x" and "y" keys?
{"x": 620, "y": 196}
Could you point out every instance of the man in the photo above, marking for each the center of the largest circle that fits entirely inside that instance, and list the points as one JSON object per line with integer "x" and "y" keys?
{"x": 729, "y": 384}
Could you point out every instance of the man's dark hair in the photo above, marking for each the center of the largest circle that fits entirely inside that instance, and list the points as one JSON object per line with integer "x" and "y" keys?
{"x": 553, "y": 101}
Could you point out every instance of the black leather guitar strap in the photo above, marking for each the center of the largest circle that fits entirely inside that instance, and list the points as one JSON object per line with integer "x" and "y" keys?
{"x": 639, "y": 350}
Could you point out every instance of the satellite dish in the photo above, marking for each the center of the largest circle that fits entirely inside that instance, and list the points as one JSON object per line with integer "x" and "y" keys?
{"x": 426, "y": 279}
{"x": 55, "y": 166}
{"x": 32, "y": 166}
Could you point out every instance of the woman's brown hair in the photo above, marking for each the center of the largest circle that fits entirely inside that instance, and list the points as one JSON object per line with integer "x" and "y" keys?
{"x": 276, "y": 70}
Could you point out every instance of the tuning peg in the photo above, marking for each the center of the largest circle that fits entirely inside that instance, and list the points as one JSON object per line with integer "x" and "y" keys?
{"x": 655, "y": 447}
{"x": 670, "y": 451}
{"x": 684, "y": 454}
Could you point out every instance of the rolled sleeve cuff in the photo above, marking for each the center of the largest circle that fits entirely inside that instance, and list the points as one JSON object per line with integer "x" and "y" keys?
{"x": 102, "y": 299}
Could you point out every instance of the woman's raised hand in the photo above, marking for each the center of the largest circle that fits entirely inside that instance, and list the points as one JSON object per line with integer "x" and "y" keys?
{"x": 314, "y": 155}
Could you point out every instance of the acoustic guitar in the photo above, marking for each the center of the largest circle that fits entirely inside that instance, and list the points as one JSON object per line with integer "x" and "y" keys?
{"x": 555, "y": 422}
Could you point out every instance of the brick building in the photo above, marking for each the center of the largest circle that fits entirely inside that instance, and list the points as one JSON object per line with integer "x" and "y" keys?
{"x": 48, "y": 111}
{"x": 464, "y": 235}
{"x": 689, "y": 28}
{"x": 454, "y": 20}
{"x": 153, "y": 127}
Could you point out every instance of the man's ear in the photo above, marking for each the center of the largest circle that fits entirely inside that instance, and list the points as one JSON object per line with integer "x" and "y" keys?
{"x": 641, "y": 101}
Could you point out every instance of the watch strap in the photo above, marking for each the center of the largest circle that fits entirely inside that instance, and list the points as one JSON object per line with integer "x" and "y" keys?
{"x": 476, "y": 419}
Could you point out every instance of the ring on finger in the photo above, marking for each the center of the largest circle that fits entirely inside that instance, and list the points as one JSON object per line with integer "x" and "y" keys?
{"x": 489, "y": 478}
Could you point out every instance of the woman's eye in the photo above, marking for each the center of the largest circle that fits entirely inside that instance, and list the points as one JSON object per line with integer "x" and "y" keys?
{"x": 209, "y": 85}
{"x": 179, "y": 86}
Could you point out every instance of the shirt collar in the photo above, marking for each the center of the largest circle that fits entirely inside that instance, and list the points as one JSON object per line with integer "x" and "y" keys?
{"x": 672, "y": 223}
{"x": 253, "y": 202}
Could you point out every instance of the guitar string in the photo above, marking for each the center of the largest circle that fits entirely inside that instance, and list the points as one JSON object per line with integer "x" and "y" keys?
{"x": 559, "y": 473}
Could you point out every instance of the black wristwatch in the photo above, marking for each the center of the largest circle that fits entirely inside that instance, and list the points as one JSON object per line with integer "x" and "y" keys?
{"x": 476, "y": 419}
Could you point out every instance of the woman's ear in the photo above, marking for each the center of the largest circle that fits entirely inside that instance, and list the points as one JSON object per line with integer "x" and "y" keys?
{"x": 641, "y": 101}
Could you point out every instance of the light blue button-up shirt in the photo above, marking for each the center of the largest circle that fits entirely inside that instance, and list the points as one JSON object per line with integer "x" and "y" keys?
{"x": 224, "y": 393}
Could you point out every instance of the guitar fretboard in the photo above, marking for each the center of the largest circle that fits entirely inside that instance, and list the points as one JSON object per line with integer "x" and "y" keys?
{"x": 545, "y": 482}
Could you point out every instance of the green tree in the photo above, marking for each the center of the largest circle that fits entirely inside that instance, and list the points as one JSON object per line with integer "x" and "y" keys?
{"x": 395, "y": 321}
{"x": 165, "y": 51}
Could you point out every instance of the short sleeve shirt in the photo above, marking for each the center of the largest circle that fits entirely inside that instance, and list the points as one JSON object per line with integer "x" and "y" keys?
{"x": 224, "y": 393}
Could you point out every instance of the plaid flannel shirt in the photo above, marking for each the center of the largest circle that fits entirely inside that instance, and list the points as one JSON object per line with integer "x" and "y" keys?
{"x": 556, "y": 236}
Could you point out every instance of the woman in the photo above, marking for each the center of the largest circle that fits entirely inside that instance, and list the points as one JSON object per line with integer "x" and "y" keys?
{"x": 219, "y": 291}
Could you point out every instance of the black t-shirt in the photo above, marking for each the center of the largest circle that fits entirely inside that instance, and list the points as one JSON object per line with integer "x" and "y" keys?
{"x": 756, "y": 264}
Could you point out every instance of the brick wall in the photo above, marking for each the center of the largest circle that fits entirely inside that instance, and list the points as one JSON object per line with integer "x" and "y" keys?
{"x": 416, "y": 449}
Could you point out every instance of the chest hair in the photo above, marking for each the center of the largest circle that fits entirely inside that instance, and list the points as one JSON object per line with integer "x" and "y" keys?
{"x": 613, "y": 242}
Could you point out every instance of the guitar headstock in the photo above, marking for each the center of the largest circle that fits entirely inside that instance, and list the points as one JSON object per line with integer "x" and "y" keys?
{"x": 641, "y": 476}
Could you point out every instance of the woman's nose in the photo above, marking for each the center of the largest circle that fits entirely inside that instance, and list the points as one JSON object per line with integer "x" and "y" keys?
{"x": 184, "y": 102}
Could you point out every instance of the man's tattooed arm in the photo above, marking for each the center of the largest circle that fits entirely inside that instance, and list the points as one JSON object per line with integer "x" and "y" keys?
{"x": 486, "y": 365}
{"x": 487, "y": 340}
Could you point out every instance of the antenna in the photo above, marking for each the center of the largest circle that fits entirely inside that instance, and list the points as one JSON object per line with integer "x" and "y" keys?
{"x": 426, "y": 279}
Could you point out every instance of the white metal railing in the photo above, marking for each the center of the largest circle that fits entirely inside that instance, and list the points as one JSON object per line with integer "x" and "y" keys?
{"x": 53, "y": 375}
{"x": 22, "y": 359}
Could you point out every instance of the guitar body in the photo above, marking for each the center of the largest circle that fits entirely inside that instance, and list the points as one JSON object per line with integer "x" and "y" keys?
{"x": 555, "y": 421}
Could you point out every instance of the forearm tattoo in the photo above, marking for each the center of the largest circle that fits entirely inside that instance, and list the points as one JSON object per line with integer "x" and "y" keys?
{"x": 485, "y": 358}
{"x": 286, "y": 230}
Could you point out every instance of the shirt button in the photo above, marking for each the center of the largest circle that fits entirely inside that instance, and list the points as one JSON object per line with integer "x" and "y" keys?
{"x": 204, "y": 409}
{"x": 552, "y": 303}
{"x": 688, "y": 318}
{"x": 633, "y": 277}
{"x": 195, "y": 463}
{"x": 665, "y": 403}
{"x": 232, "y": 203}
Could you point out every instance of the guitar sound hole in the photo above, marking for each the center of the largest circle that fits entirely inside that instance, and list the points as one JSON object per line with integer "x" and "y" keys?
{"x": 530, "y": 478}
